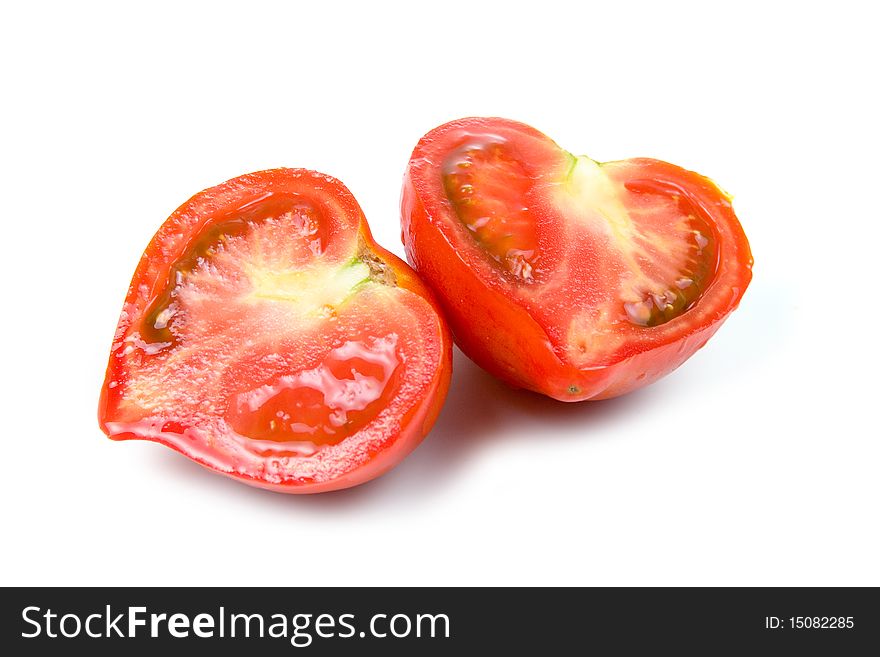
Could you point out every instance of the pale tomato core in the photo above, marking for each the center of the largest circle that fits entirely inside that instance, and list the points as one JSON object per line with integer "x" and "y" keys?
{"x": 288, "y": 213}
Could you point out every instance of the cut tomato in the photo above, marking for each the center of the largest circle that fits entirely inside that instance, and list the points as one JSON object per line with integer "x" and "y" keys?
{"x": 570, "y": 277}
{"x": 266, "y": 336}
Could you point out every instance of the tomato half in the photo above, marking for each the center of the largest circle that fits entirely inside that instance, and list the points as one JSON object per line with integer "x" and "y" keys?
{"x": 266, "y": 335}
{"x": 570, "y": 277}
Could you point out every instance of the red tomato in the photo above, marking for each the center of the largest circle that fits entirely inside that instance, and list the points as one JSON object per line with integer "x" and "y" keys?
{"x": 266, "y": 335}
{"x": 573, "y": 278}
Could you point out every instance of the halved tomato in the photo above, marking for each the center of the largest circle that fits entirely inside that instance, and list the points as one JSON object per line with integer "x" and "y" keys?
{"x": 570, "y": 277}
{"x": 265, "y": 335}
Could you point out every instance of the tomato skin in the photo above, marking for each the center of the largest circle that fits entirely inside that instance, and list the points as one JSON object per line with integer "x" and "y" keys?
{"x": 345, "y": 220}
{"x": 501, "y": 334}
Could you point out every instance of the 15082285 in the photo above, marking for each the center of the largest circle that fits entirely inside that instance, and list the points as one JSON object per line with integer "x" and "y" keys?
{"x": 821, "y": 622}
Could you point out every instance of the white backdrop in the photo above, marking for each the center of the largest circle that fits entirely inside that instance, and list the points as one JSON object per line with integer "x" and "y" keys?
{"x": 755, "y": 463}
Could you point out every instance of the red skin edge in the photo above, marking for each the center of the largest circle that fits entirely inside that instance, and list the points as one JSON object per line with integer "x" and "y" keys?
{"x": 502, "y": 338}
{"x": 188, "y": 219}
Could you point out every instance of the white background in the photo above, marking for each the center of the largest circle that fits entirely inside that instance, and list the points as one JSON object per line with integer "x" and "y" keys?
{"x": 755, "y": 463}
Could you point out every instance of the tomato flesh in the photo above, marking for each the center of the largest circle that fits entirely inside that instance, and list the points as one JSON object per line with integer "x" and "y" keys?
{"x": 273, "y": 341}
{"x": 585, "y": 272}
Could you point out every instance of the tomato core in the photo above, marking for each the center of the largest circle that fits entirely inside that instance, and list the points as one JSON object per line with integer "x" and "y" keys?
{"x": 300, "y": 219}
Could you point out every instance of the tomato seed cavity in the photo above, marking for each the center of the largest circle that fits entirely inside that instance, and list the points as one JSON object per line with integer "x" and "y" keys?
{"x": 488, "y": 189}
{"x": 659, "y": 296}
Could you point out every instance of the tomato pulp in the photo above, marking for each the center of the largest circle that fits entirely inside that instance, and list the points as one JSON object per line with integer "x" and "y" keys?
{"x": 266, "y": 336}
{"x": 566, "y": 276}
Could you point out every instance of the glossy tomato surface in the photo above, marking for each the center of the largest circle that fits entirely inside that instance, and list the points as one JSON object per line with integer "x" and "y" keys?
{"x": 566, "y": 276}
{"x": 265, "y": 335}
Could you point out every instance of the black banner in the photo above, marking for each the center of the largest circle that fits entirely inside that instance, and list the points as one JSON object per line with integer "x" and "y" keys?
{"x": 333, "y": 621}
